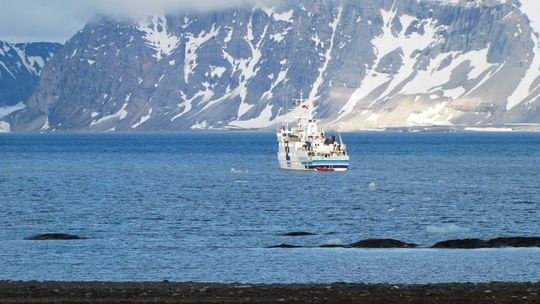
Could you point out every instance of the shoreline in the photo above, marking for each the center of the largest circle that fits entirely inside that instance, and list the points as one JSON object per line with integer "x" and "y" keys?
{"x": 500, "y": 128}
{"x": 173, "y": 292}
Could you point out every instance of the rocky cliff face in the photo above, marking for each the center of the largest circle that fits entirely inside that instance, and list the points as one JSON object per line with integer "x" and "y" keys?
{"x": 20, "y": 69}
{"x": 369, "y": 64}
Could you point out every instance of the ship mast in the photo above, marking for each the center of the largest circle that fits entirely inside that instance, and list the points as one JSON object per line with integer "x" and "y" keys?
{"x": 305, "y": 124}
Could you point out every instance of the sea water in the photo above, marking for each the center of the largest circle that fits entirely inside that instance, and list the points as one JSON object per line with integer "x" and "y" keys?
{"x": 204, "y": 206}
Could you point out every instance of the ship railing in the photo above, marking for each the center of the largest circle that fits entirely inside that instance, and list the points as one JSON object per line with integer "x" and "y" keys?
{"x": 333, "y": 153}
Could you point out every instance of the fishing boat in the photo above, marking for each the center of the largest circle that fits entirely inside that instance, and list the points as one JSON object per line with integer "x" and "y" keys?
{"x": 305, "y": 147}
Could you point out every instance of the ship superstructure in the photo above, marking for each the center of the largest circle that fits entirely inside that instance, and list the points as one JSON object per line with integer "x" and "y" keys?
{"x": 306, "y": 147}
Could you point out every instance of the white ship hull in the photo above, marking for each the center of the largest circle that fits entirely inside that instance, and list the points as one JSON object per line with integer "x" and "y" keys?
{"x": 306, "y": 148}
{"x": 301, "y": 161}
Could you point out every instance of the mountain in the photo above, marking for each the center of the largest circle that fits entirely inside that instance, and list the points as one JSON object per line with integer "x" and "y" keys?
{"x": 369, "y": 64}
{"x": 20, "y": 69}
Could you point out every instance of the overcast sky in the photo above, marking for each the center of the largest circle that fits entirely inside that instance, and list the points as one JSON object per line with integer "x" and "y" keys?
{"x": 58, "y": 20}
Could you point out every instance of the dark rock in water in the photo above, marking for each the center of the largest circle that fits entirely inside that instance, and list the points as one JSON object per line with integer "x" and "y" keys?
{"x": 332, "y": 246}
{"x": 493, "y": 243}
{"x": 514, "y": 242}
{"x": 54, "y": 236}
{"x": 462, "y": 244}
{"x": 298, "y": 233}
{"x": 284, "y": 246}
{"x": 449, "y": 244}
{"x": 382, "y": 243}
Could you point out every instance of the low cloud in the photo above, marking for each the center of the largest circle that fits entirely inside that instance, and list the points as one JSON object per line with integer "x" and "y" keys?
{"x": 141, "y": 8}
{"x": 58, "y": 20}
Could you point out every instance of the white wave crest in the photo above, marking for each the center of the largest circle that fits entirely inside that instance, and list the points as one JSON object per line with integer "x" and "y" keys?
{"x": 447, "y": 229}
{"x": 334, "y": 242}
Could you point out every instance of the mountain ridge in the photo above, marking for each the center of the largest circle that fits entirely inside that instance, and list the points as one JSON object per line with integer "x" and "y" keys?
{"x": 374, "y": 64}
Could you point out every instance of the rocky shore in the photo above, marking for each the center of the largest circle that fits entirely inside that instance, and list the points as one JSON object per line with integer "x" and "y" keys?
{"x": 167, "y": 292}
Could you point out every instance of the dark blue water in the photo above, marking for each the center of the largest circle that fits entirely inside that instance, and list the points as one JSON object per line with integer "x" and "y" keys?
{"x": 203, "y": 207}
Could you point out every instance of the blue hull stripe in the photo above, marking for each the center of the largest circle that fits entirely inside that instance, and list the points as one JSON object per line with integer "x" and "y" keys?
{"x": 328, "y": 167}
{"x": 326, "y": 163}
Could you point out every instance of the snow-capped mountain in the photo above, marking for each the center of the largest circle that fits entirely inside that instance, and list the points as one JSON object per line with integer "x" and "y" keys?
{"x": 20, "y": 69}
{"x": 369, "y": 64}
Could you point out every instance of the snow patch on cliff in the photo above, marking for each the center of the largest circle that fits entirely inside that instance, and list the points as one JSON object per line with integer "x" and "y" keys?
{"x": 121, "y": 114}
{"x": 5, "y": 127}
{"x": 327, "y": 57}
{"x": 435, "y": 77}
{"x": 384, "y": 44}
{"x": 531, "y": 8}
{"x": 264, "y": 120}
{"x": 192, "y": 45}
{"x": 5, "y": 111}
{"x": 428, "y": 116}
{"x": 525, "y": 88}
{"x": 285, "y": 16}
{"x": 143, "y": 119}
{"x": 7, "y": 70}
{"x": 158, "y": 37}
